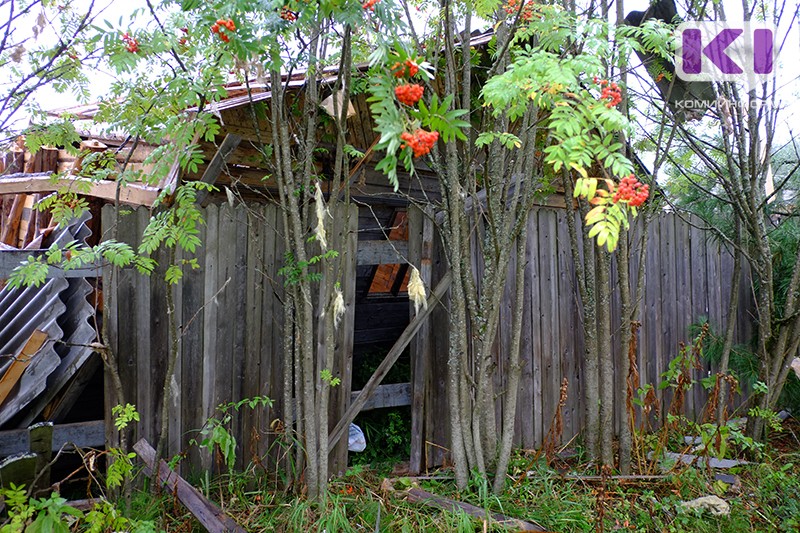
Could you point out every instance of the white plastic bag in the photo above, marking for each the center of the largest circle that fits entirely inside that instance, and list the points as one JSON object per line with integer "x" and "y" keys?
{"x": 356, "y": 441}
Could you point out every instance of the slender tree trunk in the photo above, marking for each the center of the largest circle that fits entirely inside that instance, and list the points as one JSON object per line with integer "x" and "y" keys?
{"x": 606, "y": 358}
{"x": 623, "y": 361}
{"x": 730, "y": 327}
{"x": 514, "y": 370}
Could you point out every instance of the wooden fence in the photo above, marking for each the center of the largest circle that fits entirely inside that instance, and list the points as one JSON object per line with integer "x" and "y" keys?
{"x": 687, "y": 278}
{"x": 231, "y": 316}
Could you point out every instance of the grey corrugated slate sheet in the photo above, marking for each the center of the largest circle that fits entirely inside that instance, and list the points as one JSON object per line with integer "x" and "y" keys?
{"x": 59, "y": 307}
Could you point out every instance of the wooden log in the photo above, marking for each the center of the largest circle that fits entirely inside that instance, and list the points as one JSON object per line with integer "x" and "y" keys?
{"x": 388, "y": 361}
{"x": 416, "y": 495}
{"x": 20, "y": 363}
{"x": 41, "y": 444}
{"x": 206, "y": 512}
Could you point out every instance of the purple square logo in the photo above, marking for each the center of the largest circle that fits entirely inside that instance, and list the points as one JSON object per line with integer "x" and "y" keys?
{"x": 725, "y": 51}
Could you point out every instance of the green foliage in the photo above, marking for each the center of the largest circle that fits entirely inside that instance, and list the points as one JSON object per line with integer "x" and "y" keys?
{"x": 583, "y": 126}
{"x": 326, "y": 376}
{"x": 216, "y": 433}
{"x": 36, "y": 515}
{"x": 124, "y": 415}
{"x": 59, "y": 132}
{"x": 297, "y": 271}
{"x": 392, "y": 120}
{"x": 120, "y": 468}
{"x": 388, "y": 435}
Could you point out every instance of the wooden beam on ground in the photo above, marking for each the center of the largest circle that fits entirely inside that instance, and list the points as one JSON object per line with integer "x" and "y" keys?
{"x": 382, "y": 252}
{"x": 206, "y": 512}
{"x": 388, "y": 362}
{"x": 20, "y": 363}
{"x": 392, "y": 395}
{"x": 82, "y": 434}
{"x": 416, "y": 495}
{"x": 131, "y": 193}
{"x": 214, "y": 169}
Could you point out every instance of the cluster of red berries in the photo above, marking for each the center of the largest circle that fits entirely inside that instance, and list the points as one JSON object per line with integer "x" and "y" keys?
{"x": 420, "y": 141}
{"x": 184, "y": 39}
{"x": 409, "y": 93}
{"x": 370, "y": 4}
{"x": 288, "y": 14}
{"x": 407, "y": 68}
{"x": 131, "y": 44}
{"x": 527, "y": 9}
{"x": 610, "y": 92}
{"x": 632, "y": 191}
{"x": 220, "y": 26}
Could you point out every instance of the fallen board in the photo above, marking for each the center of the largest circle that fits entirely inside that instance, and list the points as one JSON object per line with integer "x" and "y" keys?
{"x": 420, "y": 496}
{"x": 207, "y": 513}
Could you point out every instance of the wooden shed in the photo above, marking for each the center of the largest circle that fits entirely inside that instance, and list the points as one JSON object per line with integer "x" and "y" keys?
{"x": 231, "y": 316}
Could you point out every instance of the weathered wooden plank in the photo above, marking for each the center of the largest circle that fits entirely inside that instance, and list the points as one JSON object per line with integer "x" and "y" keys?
{"x": 436, "y": 405}
{"x": 669, "y": 297}
{"x": 131, "y": 193}
{"x": 238, "y": 294}
{"x": 81, "y": 434}
{"x": 254, "y": 298}
{"x": 524, "y": 415}
{"x": 207, "y": 513}
{"x": 271, "y": 357}
{"x": 420, "y": 251}
{"x": 192, "y": 349}
{"x": 210, "y": 317}
{"x": 416, "y": 495}
{"x": 388, "y": 361}
{"x": 534, "y": 244}
{"x": 567, "y": 346}
{"x": 699, "y": 295}
{"x": 650, "y": 344}
{"x": 346, "y": 238}
{"x": 382, "y": 252}
{"x": 151, "y": 321}
{"x": 175, "y": 415}
{"x": 549, "y": 303}
{"x": 683, "y": 294}
{"x": 392, "y": 395}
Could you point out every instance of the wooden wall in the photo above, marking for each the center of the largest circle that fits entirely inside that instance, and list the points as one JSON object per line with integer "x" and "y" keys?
{"x": 231, "y": 320}
{"x": 687, "y": 277}
{"x": 231, "y": 316}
